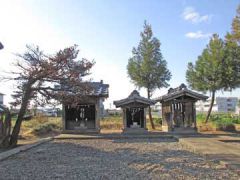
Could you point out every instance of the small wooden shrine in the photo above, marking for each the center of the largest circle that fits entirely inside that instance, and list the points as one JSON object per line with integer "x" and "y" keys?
{"x": 85, "y": 116}
{"x": 134, "y": 112}
{"x": 178, "y": 109}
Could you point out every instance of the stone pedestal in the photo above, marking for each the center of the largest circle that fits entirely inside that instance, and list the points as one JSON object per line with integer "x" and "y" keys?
{"x": 185, "y": 130}
{"x": 81, "y": 131}
{"x": 134, "y": 130}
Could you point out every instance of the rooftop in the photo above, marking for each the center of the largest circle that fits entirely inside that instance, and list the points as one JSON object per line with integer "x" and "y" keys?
{"x": 134, "y": 98}
{"x": 100, "y": 89}
{"x": 180, "y": 91}
{"x": 97, "y": 88}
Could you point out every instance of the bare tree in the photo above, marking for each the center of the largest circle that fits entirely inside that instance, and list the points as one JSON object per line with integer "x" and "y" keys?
{"x": 42, "y": 78}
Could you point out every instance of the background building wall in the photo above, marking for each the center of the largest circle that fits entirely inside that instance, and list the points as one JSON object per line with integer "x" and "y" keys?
{"x": 221, "y": 104}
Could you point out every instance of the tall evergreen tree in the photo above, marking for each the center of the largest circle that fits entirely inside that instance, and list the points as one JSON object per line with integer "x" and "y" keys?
{"x": 236, "y": 27}
{"x": 147, "y": 67}
{"x": 206, "y": 74}
{"x": 231, "y": 64}
{"x": 231, "y": 72}
{"x": 219, "y": 65}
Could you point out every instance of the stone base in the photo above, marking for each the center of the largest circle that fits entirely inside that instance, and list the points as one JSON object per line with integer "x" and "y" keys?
{"x": 185, "y": 130}
{"x": 181, "y": 130}
{"x": 134, "y": 130}
{"x": 80, "y": 128}
{"x": 81, "y": 131}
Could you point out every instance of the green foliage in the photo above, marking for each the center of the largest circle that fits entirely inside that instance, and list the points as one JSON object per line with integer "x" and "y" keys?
{"x": 201, "y": 117}
{"x": 206, "y": 74}
{"x": 236, "y": 27}
{"x": 220, "y": 117}
{"x": 217, "y": 68}
{"x": 146, "y": 67}
{"x": 222, "y": 121}
{"x": 231, "y": 63}
{"x": 157, "y": 120}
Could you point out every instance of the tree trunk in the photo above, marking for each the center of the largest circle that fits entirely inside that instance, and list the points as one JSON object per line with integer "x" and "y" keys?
{"x": 210, "y": 108}
{"x": 16, "y": 129}
{"x": 21, "y": 113}
{"x": 1, "y": 124}
{"x": 149, "y": 112}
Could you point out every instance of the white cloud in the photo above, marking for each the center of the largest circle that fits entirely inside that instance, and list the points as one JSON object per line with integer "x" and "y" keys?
{"x": 197, "y": 35}
{"x": 190, "y": 14}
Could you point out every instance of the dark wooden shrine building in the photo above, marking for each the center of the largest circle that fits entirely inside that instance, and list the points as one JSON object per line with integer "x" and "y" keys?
{"x": 178, "y": 109}
{"x": 85, "y": 116}
{"x": 134, "y": 112}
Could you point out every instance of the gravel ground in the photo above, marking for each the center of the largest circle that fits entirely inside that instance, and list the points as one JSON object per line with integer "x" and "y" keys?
{"x": 234, "y": 142}
{"x": 111, "y": 159}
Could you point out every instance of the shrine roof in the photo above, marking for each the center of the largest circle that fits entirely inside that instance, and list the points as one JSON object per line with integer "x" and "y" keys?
{"x": 98, "y": 89}
{"x": 180, "y": 91}
{"x": 134, "y": 98}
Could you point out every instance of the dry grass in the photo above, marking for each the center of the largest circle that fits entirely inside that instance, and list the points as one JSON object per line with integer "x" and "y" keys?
{"x": 115, "y": 123}
{"x": 42, "y": 126}
{"x": 202, "y": 127}
{"x": 39, "y": 127}
{"x": 112, "y": 123}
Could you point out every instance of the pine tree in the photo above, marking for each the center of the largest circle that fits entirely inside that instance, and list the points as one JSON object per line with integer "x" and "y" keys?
{"x": 236, "y": 27}
{"x": 206, "y": 74}
{"x": 147, "y": 67}
{"x": 36, "y": 76}
{"x": 231, "y": 64}
{"x": 231, "y": 72}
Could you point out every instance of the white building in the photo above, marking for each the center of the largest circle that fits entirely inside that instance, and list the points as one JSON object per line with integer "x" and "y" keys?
{"x": 221, "y": 104}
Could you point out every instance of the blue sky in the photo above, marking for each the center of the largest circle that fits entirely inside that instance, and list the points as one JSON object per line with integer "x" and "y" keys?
{"x": 107, "y": 30}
